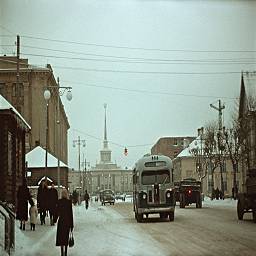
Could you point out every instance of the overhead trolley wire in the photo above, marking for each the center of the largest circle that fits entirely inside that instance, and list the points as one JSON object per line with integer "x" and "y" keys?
{"x": 133, "y": 61}
{"x": 148, "y": 72}
{"x": 137, "y": 58}
{"x": 135, "y": 48}
{"x": 147, "y": 91}
{"x": 111, "y": 142}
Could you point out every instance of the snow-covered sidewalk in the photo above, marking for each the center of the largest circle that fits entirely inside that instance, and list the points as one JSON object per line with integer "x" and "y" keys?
{"x": 100, "y": 230}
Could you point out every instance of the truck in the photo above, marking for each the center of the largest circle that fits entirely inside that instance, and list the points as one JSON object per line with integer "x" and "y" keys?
{"x": 189, "y": 191}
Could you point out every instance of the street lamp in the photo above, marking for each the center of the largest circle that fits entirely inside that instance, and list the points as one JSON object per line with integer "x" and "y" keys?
{"x": 58, "y": 91}
{"x": 47, "y": 96}
{"x": 79, "y": 142}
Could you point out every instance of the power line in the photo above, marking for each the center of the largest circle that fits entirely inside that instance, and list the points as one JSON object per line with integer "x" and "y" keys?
{"x": 9, "y": 31}
{"x": 137, "y": 58}
{"x": 149, "y": 72}
{"x": 111, "y": 142}
{"x": 147, "y": 91}
{"x": 137, "y": 72}
{"x": 173, "y": 62}
{"x": 136, "y": 48}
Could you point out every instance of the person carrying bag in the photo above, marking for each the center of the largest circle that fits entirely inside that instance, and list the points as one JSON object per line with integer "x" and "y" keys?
{"x": 71, "y": 241}
{"x": 65, "y": 222}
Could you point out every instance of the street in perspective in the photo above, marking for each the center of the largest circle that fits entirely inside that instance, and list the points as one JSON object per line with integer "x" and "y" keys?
{"x": 127, "y": 128}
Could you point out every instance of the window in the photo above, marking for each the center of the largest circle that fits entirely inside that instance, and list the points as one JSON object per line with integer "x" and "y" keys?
{"x": 225, "y": 185}
{"x": 17, "y": 90}
{"x": 2, "y": 85}
{"x": 155, "y": 177}
{"x": 189, "y": 173}
{"x": 175, "y": 142}
{"x": 155, "y": 164}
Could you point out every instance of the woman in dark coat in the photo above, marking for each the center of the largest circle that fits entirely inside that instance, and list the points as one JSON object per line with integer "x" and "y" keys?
{"x": 23, "y": 196}
{"x": 65, "y": 221}
{"x": 42, "y": 200}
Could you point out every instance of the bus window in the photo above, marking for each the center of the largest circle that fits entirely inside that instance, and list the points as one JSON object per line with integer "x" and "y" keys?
{"x": 155, "y": 177}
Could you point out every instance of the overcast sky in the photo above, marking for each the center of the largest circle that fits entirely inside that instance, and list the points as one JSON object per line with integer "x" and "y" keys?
{"x": 176, "y": 58}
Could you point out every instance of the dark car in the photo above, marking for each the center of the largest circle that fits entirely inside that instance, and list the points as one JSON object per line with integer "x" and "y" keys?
{"x": 120, "y": 196}
{"x": 190, "y": 192}
{"x": 108, "y": 196}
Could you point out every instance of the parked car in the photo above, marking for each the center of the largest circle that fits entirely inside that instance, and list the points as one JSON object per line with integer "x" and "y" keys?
{"x": 120, "y": 196}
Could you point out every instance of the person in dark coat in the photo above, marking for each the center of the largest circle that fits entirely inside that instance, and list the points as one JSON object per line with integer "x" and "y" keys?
{"x": 86, "y": 199}
{"x": 23, "y": 197}
{"x": 65, "y": 221}
{"x": 52, "y": 202}
{"x": 42, "y": 200}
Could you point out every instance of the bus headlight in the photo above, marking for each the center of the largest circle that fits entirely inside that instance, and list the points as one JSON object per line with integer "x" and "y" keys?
{"x": 144, "y": 196}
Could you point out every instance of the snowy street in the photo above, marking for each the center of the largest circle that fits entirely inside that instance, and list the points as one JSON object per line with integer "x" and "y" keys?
{"x": 112, "y": 230}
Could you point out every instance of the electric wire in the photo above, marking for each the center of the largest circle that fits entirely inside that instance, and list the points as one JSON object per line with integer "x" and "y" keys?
{"x": 111, "y": 142}
{"x": 197, "y": 62}
{"x": 134, "y": 48}
{"x": 149, "y": 92}
{"x": 137, "y": 58}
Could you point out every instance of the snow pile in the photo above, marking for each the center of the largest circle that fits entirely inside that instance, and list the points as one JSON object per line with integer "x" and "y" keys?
{"x": 228, "y": 202}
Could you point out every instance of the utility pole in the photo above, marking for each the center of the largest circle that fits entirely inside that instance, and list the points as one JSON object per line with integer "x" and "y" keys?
{"x": 78, "y": 143}
{"x": 220, "y": 144}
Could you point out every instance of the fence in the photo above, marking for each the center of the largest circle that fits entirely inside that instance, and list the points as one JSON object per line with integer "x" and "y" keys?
{"x": 7, "y": 228}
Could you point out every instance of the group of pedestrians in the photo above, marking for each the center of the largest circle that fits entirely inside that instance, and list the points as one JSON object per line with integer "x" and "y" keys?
{"x": 47, "y": 200}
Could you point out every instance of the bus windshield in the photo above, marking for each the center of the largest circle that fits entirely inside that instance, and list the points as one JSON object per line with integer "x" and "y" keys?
{"x": 155, "y": 177}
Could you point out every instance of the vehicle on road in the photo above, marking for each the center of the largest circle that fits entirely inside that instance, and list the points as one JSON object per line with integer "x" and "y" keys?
{"x": 153, "y": 188}
{"x": 108, "y": 196}
{"x": 190, "y": 191}
{"x": 120, "y": 196}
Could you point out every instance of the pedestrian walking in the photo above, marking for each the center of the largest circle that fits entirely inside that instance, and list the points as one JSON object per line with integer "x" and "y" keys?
{"x": 86, "y": 199}
{"x": 42, "y": 200}
{"x": 33, "y": 213}
{"x": 53, "y": 199}
{"x": 65, "y": 221}
{"x": 23, "y": 197}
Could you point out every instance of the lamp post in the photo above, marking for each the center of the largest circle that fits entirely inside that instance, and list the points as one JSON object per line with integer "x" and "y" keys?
{"x": 57, "y": 91}
{"x": 47, "y": 96}
{"x": 79, "y": 142}
{"x": 86, "y": 178}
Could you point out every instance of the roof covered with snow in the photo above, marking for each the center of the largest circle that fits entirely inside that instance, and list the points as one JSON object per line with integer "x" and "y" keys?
{"x": 36, "y": 159}
{"x": 5, "y": 105}
{"x": 195, "y": 144}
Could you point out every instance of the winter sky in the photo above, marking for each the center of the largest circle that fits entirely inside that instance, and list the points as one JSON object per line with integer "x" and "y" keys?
{"x": 157, "y": 64}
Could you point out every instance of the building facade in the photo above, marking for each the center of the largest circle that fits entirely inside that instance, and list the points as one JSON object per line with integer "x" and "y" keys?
{"x": 27, "y": 96}
{"x": 170, "y": 146}
{"x": 104, "y": 175}
{"x": 185, "y": 166}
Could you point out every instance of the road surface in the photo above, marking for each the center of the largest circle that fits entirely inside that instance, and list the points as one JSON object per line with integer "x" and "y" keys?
{"x": 112, "y": 230}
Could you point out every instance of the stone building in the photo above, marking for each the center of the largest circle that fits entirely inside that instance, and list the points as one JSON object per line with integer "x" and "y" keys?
{"x": 28, "y": 98}
{"x": 170, "y": 146}
{"x": 104, "y": 175}
{"x": 185, "y": 166}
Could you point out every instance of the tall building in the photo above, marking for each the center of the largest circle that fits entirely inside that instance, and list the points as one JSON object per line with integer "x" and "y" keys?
{"x": 27, "y": 96}
{"x": 105, "y": 174}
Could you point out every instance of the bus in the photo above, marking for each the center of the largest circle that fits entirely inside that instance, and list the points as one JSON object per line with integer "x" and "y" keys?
{"x": 153, "y": 187}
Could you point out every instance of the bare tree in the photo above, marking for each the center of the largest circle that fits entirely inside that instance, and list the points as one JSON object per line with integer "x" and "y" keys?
{"x": 210, "y": 150}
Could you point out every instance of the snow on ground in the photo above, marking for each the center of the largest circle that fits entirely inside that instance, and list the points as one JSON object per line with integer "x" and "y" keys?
{"x": 228, "y": 202}
{"x": 103, "y": 231}
{"x": 100, "y": 230}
